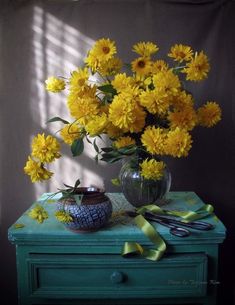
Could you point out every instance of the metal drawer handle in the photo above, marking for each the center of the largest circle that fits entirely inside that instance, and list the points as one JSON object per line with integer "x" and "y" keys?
{"x": 117, "y": 277}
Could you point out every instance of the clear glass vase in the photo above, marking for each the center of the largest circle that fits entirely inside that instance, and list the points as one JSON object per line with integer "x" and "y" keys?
{"x": 140, "y": 191}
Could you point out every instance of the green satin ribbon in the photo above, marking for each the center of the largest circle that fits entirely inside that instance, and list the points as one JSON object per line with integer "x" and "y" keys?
{"x": 187, "y": 216}
{"x": 134, "y": 248}
{"x": 131, "y": 248}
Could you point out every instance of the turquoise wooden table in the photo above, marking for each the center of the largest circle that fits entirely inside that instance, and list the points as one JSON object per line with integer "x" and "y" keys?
{"x": 57, "y": 266}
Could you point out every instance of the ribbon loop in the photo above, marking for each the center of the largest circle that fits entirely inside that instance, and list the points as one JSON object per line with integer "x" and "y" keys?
{"x": 202, "y": 212}
{"x": 134, "y": 248}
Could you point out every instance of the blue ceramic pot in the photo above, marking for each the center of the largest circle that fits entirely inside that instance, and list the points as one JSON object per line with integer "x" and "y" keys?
{"x": 93, "y": 213}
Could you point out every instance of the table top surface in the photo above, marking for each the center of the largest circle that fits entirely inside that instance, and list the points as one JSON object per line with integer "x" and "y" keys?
{"x": 119, "y": 229}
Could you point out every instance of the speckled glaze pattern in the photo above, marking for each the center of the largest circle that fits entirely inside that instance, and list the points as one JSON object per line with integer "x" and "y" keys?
{"x": 87, "y": 217}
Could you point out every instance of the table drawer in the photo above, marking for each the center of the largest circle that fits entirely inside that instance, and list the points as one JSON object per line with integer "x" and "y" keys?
{"x": 111, "y": 276}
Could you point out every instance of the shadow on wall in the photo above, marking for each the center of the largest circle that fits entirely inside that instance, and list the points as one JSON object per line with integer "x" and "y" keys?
{"x": 16, "y": 128}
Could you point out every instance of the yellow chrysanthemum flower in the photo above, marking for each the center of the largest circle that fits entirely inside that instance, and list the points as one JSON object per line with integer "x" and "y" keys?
{"x": 63, "y": 216}
{"x": 92, "y": 61}
{"x": 110, "y": 67}
{"x": 134, "y": 92}
{"x": 180, "y": 52}
{"x": 145, "y": 49}
{"x": 102, "y": 51}
{"x": 54, "y": 84}
{"x": 152, "y": 169}
{"x": 141, "y": 66}
{"x": 122, "y": 82}
{"x": 70, "y": 132}
{"x": 104, "y": 109}
{"x": 167, "y": 81}
{"x": 209, "y": 114}
{"x": 46, "y": 149}
{"x": 139, "y": 122}
{"x": 113, "y": 131}
{"x": 126, "y": 114}
{"x": 155, "y": 101}
{"x": 147, "y": 82}
{"x": 182, "y": 100}
{"x": 36, "y": 171}
{"x": 185, "y": 118}
{"x": 178, "y": 143}
{"x": 82, "y": 108}
{"x": 96, "y": 125}
{"x": 38, "y": 213}
{"x": 76, "y": 97}
{"x": 159, "y": 65}
{"x": 153, "y": 139}
{"x": 123, "y": 142}
{"x": 79, "y": 78}
{"x": 120, "y": 111}
{"x": 86, "y": 92}
{"x": 198, "y": 68}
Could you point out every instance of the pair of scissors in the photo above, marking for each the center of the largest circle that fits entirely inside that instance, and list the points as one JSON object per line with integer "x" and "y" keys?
{"x": 175, "y": 225}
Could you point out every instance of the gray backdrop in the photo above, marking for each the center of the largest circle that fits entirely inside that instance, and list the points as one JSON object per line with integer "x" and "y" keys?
{"x": 42, "y": 38}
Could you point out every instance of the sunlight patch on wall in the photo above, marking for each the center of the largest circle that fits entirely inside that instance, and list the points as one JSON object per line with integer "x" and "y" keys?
{"x": 57, "y": 49}
{"x": 82, "y": 169}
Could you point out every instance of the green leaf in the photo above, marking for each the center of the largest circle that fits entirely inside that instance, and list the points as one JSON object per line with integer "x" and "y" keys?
{"x": 111, "y": 159}
{"x": 134, "y": 163}
{"x": 128, "y": 150}
{"x": 57, "y": 119}
{"x": 95, "y": 146}
{"x": 77, "y": 147}
{"x": 69, "y": 186}
{"x": 88, "y": 140}
{"x": 107, "y": 99}
{"x": 77, "y": 183}
{"x": 66, "y": 193}
{"x": 96, "y": 159}
{"x": 107, "y": 149}
{"x": 114, "y": 160}
{"x": 108, "y": 89}
{"x": 78, "y": 199}
{"x": 111, "y": 154}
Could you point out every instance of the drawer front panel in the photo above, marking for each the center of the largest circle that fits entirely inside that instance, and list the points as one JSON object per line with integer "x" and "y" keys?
{"x": 110, "y": 276}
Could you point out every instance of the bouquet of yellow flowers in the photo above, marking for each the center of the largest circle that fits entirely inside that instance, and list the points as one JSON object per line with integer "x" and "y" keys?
{"x": 143, "y": 108}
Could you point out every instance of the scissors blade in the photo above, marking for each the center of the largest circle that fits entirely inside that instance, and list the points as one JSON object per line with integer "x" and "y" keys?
{"x": 198, "y": 225}
{"x": 174, "y": 230}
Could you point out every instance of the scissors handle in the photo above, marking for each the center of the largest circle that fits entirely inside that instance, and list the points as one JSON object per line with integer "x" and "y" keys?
{"x": 180, "y": 232}
{"x": 198, "y": 225}
{"x": 177, "y": 231}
